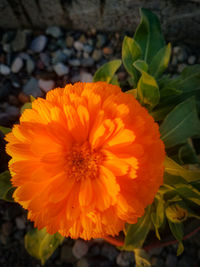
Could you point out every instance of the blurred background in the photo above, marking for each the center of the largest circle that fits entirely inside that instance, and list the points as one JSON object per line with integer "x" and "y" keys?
{"x": 47, "y": 43}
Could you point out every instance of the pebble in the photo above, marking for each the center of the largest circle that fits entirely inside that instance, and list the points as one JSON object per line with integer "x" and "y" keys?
{"x": 74, "y": 62}
{"x": 171, "y": 260}
{"x": 4, "y": 69}
{"x": 191, "y": 60}
{"x": 17, "y": 65}
{"x": 59, "y": 56}
{"x": 6, "y": 228}
{"x": 78, "y": 46}
{"x": 107, "y": 50}
{"x": 69, "y": 41}
{"x": 68, "y": 52}
{"x": 7, "y": 48}
{"x": 157, "y": 262}
{"x": 101, "y": 40}
{"x": 83, "y": 263}
{"x": 38, "y": 44}
{"x": 54, "y": 31}
{"x": 12, "y": 111}
{"x": 97, "y": 54}
{"x": 45, "y": 58}
{"x": 88, "y": 48}
{"x": 23, "y": 98}
{"x": 30, "y": 65}
{"x": 46, "y": 85}
{"x": 86, "y": 77}
{"x": 61, "y": 69}
{"x": 155, "y": 251}
{"x": 181, "y": 67}
{"x": 20, "y": 223}
{"x": 125, "y": 258}
{"x": 13, "y": 100}
{"x": 66, "y": 254}
{"x": 15, "y": 80}
{"x": 87, "y": 62}
{"x": 109, "y": 251}
{"x": 32, "y": 88}
{"x": 80, "y": 248}
{"x": 20, "y": 41}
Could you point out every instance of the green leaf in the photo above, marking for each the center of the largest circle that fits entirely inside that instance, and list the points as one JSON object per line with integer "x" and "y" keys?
{"x": 160, "y": 61}
{"x": 177, "y": 231}
{"x": 41, "y": 245}
{"x": 168, "y": 92}
{"x": 27, "y": 105}
{"x": 114, "y": 80}
{"x": 32, "y": 98}
{"x": 148, "y": 35}
{"x": 181, "y": 123}
{"x": 174, "y": 168}
{"x": 106, "y": 71}
{"x": 5, "y": 130}
{"x": 148, "y": 91}
{"x": 142, "y": 259}
{"x": 6, "y": 188}
{"x": 141, "y": 65}
{"x": 187, "y": 155}
{"x": 130, "y": 53}
{"x": 136, "y": 233}
{"x": 159, "y": 216}
{"x": 188, "y": 192}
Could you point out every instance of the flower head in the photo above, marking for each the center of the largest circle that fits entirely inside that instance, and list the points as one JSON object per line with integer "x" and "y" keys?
{"x": 85, "y": 160}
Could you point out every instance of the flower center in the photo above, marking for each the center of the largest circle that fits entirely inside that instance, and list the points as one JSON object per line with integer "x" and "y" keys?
{"x": 82, "y": 162}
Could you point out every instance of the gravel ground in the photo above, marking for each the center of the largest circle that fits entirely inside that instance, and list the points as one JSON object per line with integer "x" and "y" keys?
{"x": 32, "y": 64}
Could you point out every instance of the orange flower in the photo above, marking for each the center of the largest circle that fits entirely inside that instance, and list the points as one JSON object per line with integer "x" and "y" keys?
{"x": 85, "y": 160}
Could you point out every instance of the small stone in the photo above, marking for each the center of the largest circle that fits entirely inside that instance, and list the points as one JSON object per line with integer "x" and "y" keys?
{"x": 107, "y": 50}
{"x": 97, "y": 54}
{"x": 6, "y": 228}
{"x": 59, "y": 56}
{"x": 88, "y": 48}
{"x": 20, "y": 41}
{"x": 78, "y": 46}
{"x": 174, "y": 60}
{"x": 46, "y": 85}
{"x": 157, "y": 262}
{"x": 109, "y": 251}
{"x": 191, "y": 60}
{"x": 38, "y": 44}
{"x": 155, "y": 251}
{"x": 7, "y": 48}
{"x": 17, "y": 65}
{"x": 87, "y": 62}
{"x": 69, "y": 41}
{"x": 82, "y": 39}
{"x": 181, "y": 67}
{"x": 12, "y": 111}
{"x": 45, "y": 59}
{"x": 15, "y": 80}
{"x": 5, "y": 88}
{"x": 80, "y": 248}
{"x": 74, "y": 62}
{"x": 68, "y": 52}
{"x": 32, "y": 88}
{"x": 30, "y": 65}
{"x": 4, "y": 70}
{"x": 20, "y": 222}
{"x": 23, "y": 98}
{"x": 171, "y": 261}
{"x": 66, "y": 254}
{"x": 13, "y": 100}
{"x": 61, "y": 69}
{"x": 7, "y": 37}
{"x": 83, "y": 263}
{"x": 54, "y": 31}
{"x": 101, "y": 40}
{"x": 125, "y": 258}
{"x": 176, "y": 49}
{"x": 86, "y": 55}
{"x": 86, "y": 77}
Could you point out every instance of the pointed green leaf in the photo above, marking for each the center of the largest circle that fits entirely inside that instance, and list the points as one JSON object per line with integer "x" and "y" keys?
{"x": 160, "y": 61}
{"x": 147, "y": 89}
{"x": 148, "y": 35}
{"x": 106, "y": 71}
{"x": 32, "y": 98}
{"x": 168, "y": 92}
{"x": 41, "y": 245}
{"x": 177, "y": 231}
{"x": 130, "y": 53}
{"x": 5, "y": 130}
{"x": 141, "y": 65}
{"x": 114, "y": 80}
{"x": 136, "y": 233}
{"x": 181, "y": 123}
{"x": 6, "y": 188}
{"x": 142, "y": 259}
{"x": 175, "y": 169}
{"x": 187, "y": 155}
